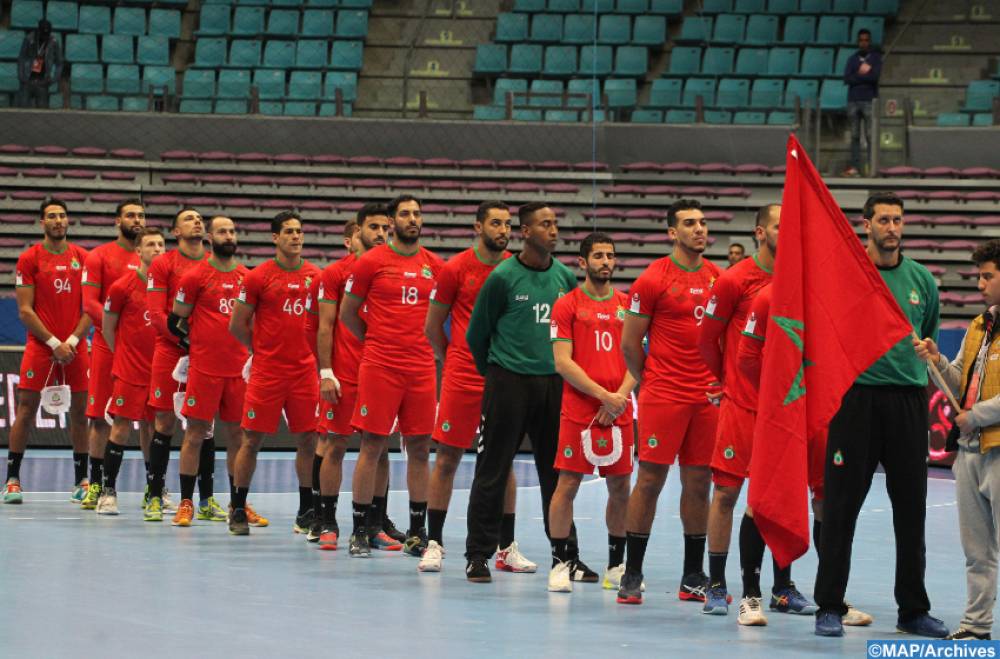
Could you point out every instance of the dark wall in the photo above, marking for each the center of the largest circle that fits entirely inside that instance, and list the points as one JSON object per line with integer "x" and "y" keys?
{"x": 955, "y": 147}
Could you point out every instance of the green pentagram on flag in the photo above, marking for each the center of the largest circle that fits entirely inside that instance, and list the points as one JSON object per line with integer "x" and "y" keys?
{"x": 789, "y": 327}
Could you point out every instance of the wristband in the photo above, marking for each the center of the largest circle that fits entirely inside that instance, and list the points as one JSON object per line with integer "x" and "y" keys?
{"x": 327, "y": 374}
{"x": 73, "y": 340}
{"x": 53, "y": 343}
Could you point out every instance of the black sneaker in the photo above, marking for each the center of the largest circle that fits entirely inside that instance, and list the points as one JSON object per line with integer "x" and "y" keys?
{"x": 238, "y": 524}
{"x": 416, "y": 542}
{"x": 359, "y": 546}
{"x": 693, "y": 587}
{"x": 630, "y": 589}
{"x": 304, "y": 521}
{"x": 315, "y": 530}
{"x": 390, "y": 529}
{"x": 477, "y": 570}
{"x": 578, "y": 571}
{"x": 962, "y": 634}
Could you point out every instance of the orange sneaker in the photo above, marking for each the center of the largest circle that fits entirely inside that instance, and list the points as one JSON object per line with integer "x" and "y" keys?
{"x": 184, "y": 514}
{"x": 253, "y": 519}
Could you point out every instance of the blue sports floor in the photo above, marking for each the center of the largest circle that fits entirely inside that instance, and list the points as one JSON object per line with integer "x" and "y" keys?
{"x": 76, "y": 585}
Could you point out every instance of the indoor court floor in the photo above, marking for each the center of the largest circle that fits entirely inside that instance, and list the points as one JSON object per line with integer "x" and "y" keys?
{"x": 74, "y": 584}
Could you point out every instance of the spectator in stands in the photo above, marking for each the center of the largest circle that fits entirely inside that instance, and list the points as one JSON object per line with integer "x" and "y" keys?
{"x": 38, "y": 65}
{"x": 736, "y": 253}
{"x": 861, "y": 75}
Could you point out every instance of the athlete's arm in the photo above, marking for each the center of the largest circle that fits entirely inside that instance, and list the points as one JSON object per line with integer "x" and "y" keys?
{"x": 63, "y": 353}
{"x": 93, "y": 305}
{"x": 562, "y": 352}
{"x": 156, "y": 301}
{"x": 434, "y": 328}
{"x": 329, "y": 389}
{"x": 709, "y": 344}
{"x": 82, "y": 327}
{"x": 108, "y": 324}
{"x": 349, "y": 308}
{"x": 490, "y": 305}
{"x": 241, "y": 324}
{"x": 179, "y": 328}
{"x": 634, "y": 329}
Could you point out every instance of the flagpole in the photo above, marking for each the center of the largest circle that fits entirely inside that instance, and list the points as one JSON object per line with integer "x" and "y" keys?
{"x": 939, "y": 380}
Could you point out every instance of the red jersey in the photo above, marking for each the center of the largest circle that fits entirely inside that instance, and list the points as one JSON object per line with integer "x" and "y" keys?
{"x": 594, "y": 326}
{"x": 396, "y": 289}
{"x": 750, "y": 356}
{"x": 278, "y": 298}
{"x": 134, "y": 334}
{"x": 674, "y": 298}
{"x": 345, "y": 353}
{"x": 164, "y": 279}
{"x": 457, "y": 286}
{"x": 104, "y": 266}
{"x": 56, "y": 280}
{"x": 729, "y": 307}
{"x": 211, "y": 294}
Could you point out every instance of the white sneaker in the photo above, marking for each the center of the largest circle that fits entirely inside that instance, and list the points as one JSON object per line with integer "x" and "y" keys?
{"x": 559, "y": 578}
{"x": 108, "y": 503}
{"x": 751, "y": 612}
{"x": 613, "y": 578}
{"x": 856, "y": 618}
{"x": 166, "y": 502}
{"x": 430, "y": 561}
{"x": 512, "y": 560}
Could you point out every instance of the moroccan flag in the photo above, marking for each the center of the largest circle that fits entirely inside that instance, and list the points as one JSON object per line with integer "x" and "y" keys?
{"x": 831, "y": 318}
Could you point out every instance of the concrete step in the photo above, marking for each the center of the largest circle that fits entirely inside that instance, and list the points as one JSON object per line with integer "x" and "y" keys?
{"x": 968, "y": 38}
{"x": 940, "y": 69}
{"x": 950, "y": 10}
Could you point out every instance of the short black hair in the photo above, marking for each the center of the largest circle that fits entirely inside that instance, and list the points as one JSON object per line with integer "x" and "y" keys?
{"x": 987, "y": 252}
{"x": 681, "y": 205}
{"x": 886, "y": 198}
{"x": 526, "y": 213}
{"x": 395, "y": 202}
{"x": 350, "y": 228}
{"x": 587, "y": 244}
{"x": 764, "y": 214}
{"x": 208, "y": 225}
{"x": 132, "y": 201}
{"x": 181, "y": 211}
{"x": 484, "y": 209}
{"x": 864, "y": 30}
{"x": 743, "y": 250}
{"x": 372, "y": 209}
{"x": 51, "y": 202}
{"x": 283, "y": 217}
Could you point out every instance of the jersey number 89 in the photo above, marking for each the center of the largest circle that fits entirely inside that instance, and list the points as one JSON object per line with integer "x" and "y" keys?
{"x": 226, "y": 306}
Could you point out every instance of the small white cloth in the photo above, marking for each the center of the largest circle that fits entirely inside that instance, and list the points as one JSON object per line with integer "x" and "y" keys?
{"x": 246, "y": 368}
{"x": 179, "y": 403}
{"x": 56, "y": 398}
{"x": 180, "y": 373}
{"x": 603, "y": 459}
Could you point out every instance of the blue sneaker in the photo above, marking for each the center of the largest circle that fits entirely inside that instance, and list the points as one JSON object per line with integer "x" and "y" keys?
{"x": 790, "y": 600}
{"x": 828, "y": 624}
{"x": 923, "y": 625}
{"x": 716, "y": 601}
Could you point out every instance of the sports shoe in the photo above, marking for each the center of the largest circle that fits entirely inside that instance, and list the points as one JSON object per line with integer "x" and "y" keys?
{"x": 154, "y": 511}
{"x": 238, "y": 524}
{"x": 383, "y": 542}
{"x": 184, "y": 514}
{"x": 512, "y": 560}
{"x": 630, "y": 590}
{"x": 751, "y": 612}
{"x": 166, "y": 501}
{"x": 390, "y": 529}
{"x": 211, "y": 511}
{"x": 613, "y": 577}
{"x": 89, "y": 501}
{"x": 314, "y": 530}
{"x": 253, "y": 519}
{"x": 359, "y": 546}
{"x": 578, "y": 571}
{"x": 328, "y": 536}
{"x": 304, "y": 521}
{"x": 79, "y": 491}
{"x": 856, "y": 617}
{"x": 717, "y": 600}
{"x": 828, "y": 624}
{"x": 559, "y": 581}
{"x": 108, "y": 503}
{"x": 431, "y": 560}
{"x": 415, "y": 543}
{"x": 477, "y": 570}
{"x": 790, "y": 600}
{"x": 145, "y": 498}
{"x": 923, "y": 625}
{"x": 12, "y": 492}
{"x": 962, "y": 634}
{"x": 693, "y": 587}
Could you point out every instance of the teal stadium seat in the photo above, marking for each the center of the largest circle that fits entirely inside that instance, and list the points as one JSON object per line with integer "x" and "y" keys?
{"x": 833, "y": 95}
{"x": 579, "y": 29}
{"x": 695, "y": 87}
{"x": 11, "y": 40}
{"x": 527, "y": 115}
{"x": 649, "y": 31}
{"x": 346, "y": 82}
{"x": 244, "y": 54}
{"x": 685, "y": 60}
{"x": 346, "y": 55}
{"x": 195, "y": 106}
{"x": 165, "y": 23}
{"x": 733, "y": 93}
{"x": 783, "y": 62}
{"x": 271, "y": 108}
{"x": 716, "y": 6}
{"x": 882, "y": 7}
{"x": 324, "y": 4}
{"x": 781, "y": 118}
{"x": 317, "y": 23}
{"x": 665, "y": 93}
{"x": 198, "y": 83}
{"x": 87, "y": 78}
{"x": 79, "y": 48}
{"x": 213, "y": 21}
{"x": 833, "y": 30}
{"x": 352, "y": 4}
{"x": 666, "y": 7}
{"x": 644, "y": 116}
{"x": 546, "y": 28}
{"x": 749, "y": 6}
{"x": 614, "y": 30}
{"x": 680, "y": 117}
{"x": 159, "y": 77}
{"x": 718, "y": 117}
{"x": 563, "y": 6}
{"x": 751, "y": 62}
{"x": 545, "y": 87}
{"x": 595, "y": 61}
{"x": 597, "y": 6}
{"x": 279, "y": 55}
{"x": 766, "y": 93}
{"x": 299, "y": 109}
{"x": 982, "y": 119}
{"x": 564, "y": 116}
{"x": 749, "y": 118}
{"x": 631, "y": 61}
{"x": 843, "y": 54}
{"x": 352, "y": 24}
{"x": 525, "y": 59}
{"x": 851, "y": 7}
{"x": 122, "y": 79}
{"x": 135, "y": 104}
{"x": 590, "y": 86}
{"x": 729, "y": 29}
{"x": 117, "y": 49}
{"x": 762, "y": 30}
{"x": 529, "y": 6}
{"x": 488, "y": 113}
{"x": 815, "y": 7}
{"x": 305, "y": 86}
{"x": 505, "y": 86}
{"x": 153, "y": 50}
{"x": 230, "y": 106}
{"x": 25, "y": 14}
{"x": 248, "y": 21}
{"x": 621, "y": 93}
{"x": 952, "y": 119}
{"x": 210, "y": 53}
{"x": 636, "y": 7}
{"x": 560, "y": 61}
{"x": 330, "y": 109}
{"x": 130, "y": 20}
{"x": 800, "y": 30}
{"x": 817, "y": 63}
{"x": 979, "y": 95}
{"x": 717, "y": 61}
{"x": 270, "y": 84}
{"x": 805, "y": 91}
{"x": 874, "y": 24}
{"x": 63, "y": 15}
{"x": 782, "y": 7}
{"x": 101, "y": 103}
{"x": 311, "y": 54}
{"x": 695, "y": 29}
{"x": 283, "y": 22}
{"x": 233, "y": 83}
{"x": 8, "y": 77}
{"x": 491, "y": 59}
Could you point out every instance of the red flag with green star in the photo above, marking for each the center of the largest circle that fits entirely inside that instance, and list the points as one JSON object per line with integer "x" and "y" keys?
{"x": 831, "y": 318}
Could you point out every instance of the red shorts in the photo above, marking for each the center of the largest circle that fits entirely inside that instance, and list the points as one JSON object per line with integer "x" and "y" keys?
{"x": 130, "y": 401}
{"x": 208, "y": 395}
{"x": 682, "y": 431}
{"x": 385, "y": 395}
{"x": 733, "y": 445}
{"x": 459, "y": 415}
{"x": 162, "y": 385}
{"x": 100, "y": 384}
{"x": 817, "y": 463}
{"x": 571, "y": 455}
{"x": 266, "y": 398}
{"x": 37, "y": 362}
{"x": 335, "y": 418}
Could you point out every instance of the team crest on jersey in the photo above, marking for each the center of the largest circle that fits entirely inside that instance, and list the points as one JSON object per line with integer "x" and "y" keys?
{"x": 425, "y": 272}
{"x": 83, "y": 276}
{"x": 74, "y": 264}
{"x": 149, "y": 283}
{"x": 620, "y": 313}
{"x": 190, "y": 401}
{"x": 90, "y": 400}
{"x": 308, "y": 281}
{"x": 251, "y": 414}
{"x": 119, "y": 401}
{"x": 751, "y": 324}
{"x": 107, "y": 304}
{"x": 349, "y": 285}
{"x": 322, "y": 292}
{"x": 635, "y": 303}
{"x": 446, "y": 427}
{"x": 364, "y": 410}
{"x": 652, "y": 442}
{"x": 157, "y": 393}
{"x": 30, "y": 374}
{"x": 18, "y": 279}
{"x": 243, "y": 294}
{"x": 568, "y": 452}
{"x": 914, "y": 298}
{"x": 838, "y": 459}
{"x": 180, "y": 295}
{"x": 710, "y": 307}
{"x": 729, "y": 453}
{"x": 329, "y": 415}
{"x": 434, "y": 292}
{"x": 553, "y": 331}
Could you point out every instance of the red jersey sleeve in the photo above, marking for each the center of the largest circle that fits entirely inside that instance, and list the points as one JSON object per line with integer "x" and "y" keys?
{"x": 312, "y": 312}
{"x": 361, "y": 276}
{"x": 644, "y": 295}
{"x": 91, "y": 286}
{"x": 157, "y": 301}
{"x": 751, "y": 351}
{"x": 27, "y": 268}
{"x": 446, "y": 286}
{"x": 250, "y": 292}
{"x": 188, "y": 289}
{"x": 117, "y": 297}
{"x": 718, "y": 311}
{"x": 563, "y": 315}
